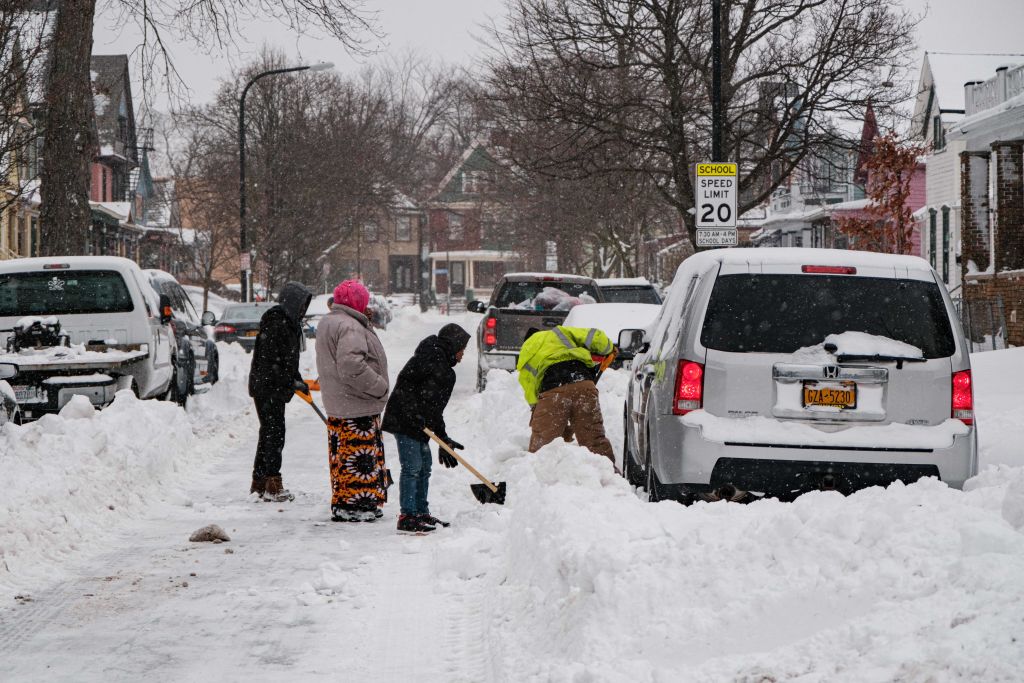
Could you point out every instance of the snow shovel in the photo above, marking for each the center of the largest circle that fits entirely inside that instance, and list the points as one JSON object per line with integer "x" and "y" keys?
{"x": 308, "y": 398}
{"x": 488, "y": 491}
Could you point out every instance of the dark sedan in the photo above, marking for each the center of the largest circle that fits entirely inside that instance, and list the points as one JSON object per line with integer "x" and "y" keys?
{"x": 241, "y": 323}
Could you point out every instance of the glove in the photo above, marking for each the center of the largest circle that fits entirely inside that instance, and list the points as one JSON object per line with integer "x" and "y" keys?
{"x": 447, "y": 459}
{"x": 455, "y": 444}
{"x": 300, "y": 386}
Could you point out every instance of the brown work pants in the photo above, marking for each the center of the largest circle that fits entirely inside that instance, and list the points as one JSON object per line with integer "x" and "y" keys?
{"x": 567, "y": 409}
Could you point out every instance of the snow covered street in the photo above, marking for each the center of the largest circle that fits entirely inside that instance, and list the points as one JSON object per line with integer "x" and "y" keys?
{"x": 576, "y": 578}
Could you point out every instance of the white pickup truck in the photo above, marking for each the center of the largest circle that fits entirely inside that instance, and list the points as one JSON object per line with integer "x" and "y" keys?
{"x": 114, "y": 324}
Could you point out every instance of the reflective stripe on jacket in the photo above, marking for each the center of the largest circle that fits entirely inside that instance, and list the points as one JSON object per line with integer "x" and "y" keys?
{"x": 557, "y": 345}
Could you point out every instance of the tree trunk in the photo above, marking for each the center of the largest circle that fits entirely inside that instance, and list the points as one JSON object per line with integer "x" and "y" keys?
{"x": 69, "y": 142}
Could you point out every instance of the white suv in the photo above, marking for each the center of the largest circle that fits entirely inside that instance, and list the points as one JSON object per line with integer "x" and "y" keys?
{"x": 779, "y": 371}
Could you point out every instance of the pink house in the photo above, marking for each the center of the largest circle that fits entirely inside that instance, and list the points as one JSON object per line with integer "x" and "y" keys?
{"x": 916, "y": 200}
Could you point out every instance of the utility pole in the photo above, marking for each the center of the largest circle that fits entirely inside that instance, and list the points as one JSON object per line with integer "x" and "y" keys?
{"x": 716, "y": 80}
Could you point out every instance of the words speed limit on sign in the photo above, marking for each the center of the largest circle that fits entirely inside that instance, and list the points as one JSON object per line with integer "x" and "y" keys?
{"x": 715, "y": 201}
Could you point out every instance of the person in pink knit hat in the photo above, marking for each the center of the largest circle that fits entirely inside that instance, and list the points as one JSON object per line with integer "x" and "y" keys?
{"x": 354, "y": 385}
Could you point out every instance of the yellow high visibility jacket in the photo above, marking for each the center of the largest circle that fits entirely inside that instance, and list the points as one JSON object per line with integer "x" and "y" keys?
{"x": 557, "y": 345}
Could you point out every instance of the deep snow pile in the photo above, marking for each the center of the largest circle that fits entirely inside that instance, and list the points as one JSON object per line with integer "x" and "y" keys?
{"x": 585, "y": 581}
{"x": 72, "y": 477}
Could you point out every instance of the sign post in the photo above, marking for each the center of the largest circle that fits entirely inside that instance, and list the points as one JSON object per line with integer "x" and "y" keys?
{"x": 715, "y": 192}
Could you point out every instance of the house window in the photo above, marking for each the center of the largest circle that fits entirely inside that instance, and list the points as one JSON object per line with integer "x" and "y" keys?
{"x": 455, "y": 231}
{"x": 370, "y": 231}
{"x": 403, "y": 229}
{"x": 938, "y": 134}
{"x": 945, "y": 244}
{"x": 370, "y": 267}
{"x": 931, "y": 237}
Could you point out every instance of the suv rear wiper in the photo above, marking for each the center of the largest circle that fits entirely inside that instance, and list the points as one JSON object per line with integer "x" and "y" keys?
{"x": 899, "y": 360}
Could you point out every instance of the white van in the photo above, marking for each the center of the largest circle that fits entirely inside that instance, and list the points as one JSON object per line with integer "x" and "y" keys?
{"x": 117, "y": 325}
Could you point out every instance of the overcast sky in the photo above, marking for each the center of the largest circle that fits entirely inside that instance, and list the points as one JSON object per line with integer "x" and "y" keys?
{"x": 447, "y": 30}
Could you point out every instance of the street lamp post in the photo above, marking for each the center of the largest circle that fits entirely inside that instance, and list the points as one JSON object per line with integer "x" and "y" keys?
{"x": 243, "y": 241}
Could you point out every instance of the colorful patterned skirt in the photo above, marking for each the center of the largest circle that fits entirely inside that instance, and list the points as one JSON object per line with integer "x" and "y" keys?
{"x": 359, "y": 478}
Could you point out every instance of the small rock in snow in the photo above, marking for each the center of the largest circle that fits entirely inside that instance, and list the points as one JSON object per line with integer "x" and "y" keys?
{"x": 229, "y": 551}
{"x": 209, "y": 534}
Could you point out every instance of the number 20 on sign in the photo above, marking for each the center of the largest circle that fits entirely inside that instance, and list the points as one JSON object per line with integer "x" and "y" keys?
{"x": 716, "y": 195}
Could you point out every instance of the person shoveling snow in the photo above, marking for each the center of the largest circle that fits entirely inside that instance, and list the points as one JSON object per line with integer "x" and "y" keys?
{"x": 421, "y": 393}
{"x": 557, "y": 373}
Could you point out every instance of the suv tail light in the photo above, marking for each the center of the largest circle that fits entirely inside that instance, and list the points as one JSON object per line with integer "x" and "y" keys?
{"x": 689, "y": 387}
{"x": 224, "y": 329}
{"x": 963, "y": 397}
{"x": 491, "y": 331}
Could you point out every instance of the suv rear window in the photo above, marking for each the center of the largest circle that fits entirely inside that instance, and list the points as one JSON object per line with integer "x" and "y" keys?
{"x": 782, "y": 313}
{"x": 631, "y": 295}
{"x": 63, "y": 292}
{"x": 516, "y": 293}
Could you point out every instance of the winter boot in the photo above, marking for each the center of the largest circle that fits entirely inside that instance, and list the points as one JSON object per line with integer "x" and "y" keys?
{"x": 371, "y": 515}
{"x": 340, "y": 513}
{"x": 259, "y": 486}
{"x": 433, "y": 521}
{"x": 412, "y": 524}
{"x": 276, "y": 492}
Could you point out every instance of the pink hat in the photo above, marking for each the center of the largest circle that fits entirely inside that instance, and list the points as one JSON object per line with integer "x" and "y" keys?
{"x": 353, "y": 294}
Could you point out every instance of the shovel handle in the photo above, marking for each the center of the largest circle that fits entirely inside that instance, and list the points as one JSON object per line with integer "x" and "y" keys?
{"x": 309, "y": 399}
{"x": 451, "y": 451}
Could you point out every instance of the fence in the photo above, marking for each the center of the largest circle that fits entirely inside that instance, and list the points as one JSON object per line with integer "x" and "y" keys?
{"x": 983, "y": 323}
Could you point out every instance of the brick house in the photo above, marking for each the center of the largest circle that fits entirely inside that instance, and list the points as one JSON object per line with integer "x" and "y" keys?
{"x": 386, "y": 252}
{"x": 990, "y": 139}
{"x": 471, "y": 243}
{"x": 19, "y": 191}
{"x": 939, "y": 107}
{"x": 111, "y": 193}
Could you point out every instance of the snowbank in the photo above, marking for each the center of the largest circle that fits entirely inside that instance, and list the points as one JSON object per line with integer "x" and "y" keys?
{"x": 71, "y": 478}
{"x": 998, "y": 388}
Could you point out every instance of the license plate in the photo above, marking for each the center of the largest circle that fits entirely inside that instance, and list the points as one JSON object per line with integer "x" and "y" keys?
{"x": 29, "y": 394}
{"x": 252, "y": 333}
{"x": 842, "y": 395}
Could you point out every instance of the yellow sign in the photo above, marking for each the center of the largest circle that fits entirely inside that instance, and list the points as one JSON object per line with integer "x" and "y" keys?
{"x": 716, "y": 169}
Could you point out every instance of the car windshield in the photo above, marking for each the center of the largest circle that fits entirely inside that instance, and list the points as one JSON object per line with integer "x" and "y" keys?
{"x": 630, "y": 295}
{"x": 783, "y": 313}
{"x": 519, "y": 293}
{"x": 63, "y": 292}
{"x": 250, "y": 313}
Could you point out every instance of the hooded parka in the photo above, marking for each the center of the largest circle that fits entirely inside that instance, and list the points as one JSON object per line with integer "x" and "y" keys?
{"x": 275, "y": 359}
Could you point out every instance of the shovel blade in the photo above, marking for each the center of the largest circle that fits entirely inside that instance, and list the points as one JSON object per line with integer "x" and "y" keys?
{"x": 486, "y": 495}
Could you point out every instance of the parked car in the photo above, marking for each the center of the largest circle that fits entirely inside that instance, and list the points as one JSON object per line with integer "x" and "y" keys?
{"x": 8, "y": 401}
{"x": 241, "y": 323}
{"x": 115, "y": 331}
{"x": 197, "y": 352}
{"x": 778, "y": 371}
{"x": 612, "y": 319}
{"x": 521, "y": 301}
{"x": 629, "y": 290}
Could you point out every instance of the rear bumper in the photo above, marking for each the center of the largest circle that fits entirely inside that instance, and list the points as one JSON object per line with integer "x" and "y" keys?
{"x": 682, "y": 455}
{"x": 496, "y": 360}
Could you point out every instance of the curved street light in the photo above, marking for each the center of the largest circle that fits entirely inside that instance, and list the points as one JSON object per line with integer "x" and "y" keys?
{"x": 243, "y": 242}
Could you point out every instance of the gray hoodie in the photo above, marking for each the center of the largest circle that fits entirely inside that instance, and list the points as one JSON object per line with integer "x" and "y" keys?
{"x": 352, "y": 366}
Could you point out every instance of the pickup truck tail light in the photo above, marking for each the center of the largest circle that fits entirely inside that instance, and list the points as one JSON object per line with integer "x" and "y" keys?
{"x": 963, "y": 397}
{"x": 491, "y": 331}
{"x": 689, "y": 387}
{"x": 224, "y": 329}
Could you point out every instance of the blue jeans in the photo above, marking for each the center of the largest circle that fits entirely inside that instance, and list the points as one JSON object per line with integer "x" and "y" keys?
{"x": 415, "y": 479}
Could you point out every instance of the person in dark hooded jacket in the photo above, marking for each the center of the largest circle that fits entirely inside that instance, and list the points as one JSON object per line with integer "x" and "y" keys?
{"x": 273, "y": 379}
{"x": 421, "y": 393}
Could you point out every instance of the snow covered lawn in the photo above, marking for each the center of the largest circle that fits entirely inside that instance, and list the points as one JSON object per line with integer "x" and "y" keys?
{"x": 574, "y": 579}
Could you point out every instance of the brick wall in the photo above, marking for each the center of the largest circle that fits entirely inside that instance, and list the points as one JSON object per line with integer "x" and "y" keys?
{"x": 1009, "y": 205}
{"x": 974, "y": 214}
{"x": 1009, "y": 286}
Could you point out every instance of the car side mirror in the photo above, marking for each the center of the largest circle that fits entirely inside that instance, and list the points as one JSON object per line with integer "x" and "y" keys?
{"x": 209, "y": 318}
{"x": 476, "y": 307}
{"x": 632, "y": 341}
{"x": 8, "y": 370}
{"x": 166, "y": 312}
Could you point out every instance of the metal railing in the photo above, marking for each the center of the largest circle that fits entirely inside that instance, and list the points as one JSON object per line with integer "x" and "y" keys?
{"x": 983, "y": 323}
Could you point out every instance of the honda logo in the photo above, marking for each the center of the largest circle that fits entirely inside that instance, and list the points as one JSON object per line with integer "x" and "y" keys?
{"x": 830, "y": 371}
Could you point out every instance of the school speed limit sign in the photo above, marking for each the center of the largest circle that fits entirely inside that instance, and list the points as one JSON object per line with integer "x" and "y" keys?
{"x": 715, "y": 201}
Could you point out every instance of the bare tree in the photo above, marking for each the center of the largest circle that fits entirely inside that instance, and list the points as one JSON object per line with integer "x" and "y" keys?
{"x": 210, "y": 24}
{"x": 625, "y": 84}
